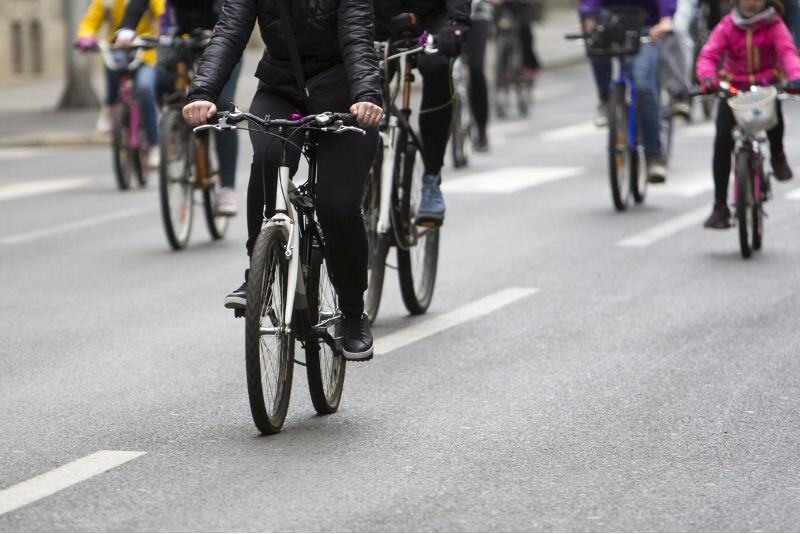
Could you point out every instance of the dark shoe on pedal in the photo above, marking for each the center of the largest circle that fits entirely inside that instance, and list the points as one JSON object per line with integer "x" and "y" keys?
{"x": 431, "y": 206}
{"x": 357, "y": 338}
{"x": 237, "y": 299}
{"x": 656, "y": 169}
{"x": 781, "y": 168}
{"x": 720, "y": 218}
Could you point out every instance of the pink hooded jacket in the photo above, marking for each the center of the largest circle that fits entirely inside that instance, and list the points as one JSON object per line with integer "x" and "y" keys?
{"x": 754, "y": 51}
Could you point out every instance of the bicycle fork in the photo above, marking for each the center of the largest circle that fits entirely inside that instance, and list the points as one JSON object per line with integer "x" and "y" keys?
{"x": 387, "y": 175}
{"x": 285, "y": 218}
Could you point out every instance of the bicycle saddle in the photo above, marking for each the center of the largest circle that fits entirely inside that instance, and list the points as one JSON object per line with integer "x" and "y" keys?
{"x": 405, "y": 26}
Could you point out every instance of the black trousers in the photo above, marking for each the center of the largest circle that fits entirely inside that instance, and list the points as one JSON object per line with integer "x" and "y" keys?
{"x": 343, "y": 163}
{"x": 436, "y": 109}
{"x": 723, "y": 147}
{"x": 476, "y": 53}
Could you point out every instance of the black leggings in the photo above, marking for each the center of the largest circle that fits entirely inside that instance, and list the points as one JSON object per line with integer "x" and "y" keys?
{"x": 476, "y": 53}
{"x": 343, "y": 162}
{"x": 723, "y": 146}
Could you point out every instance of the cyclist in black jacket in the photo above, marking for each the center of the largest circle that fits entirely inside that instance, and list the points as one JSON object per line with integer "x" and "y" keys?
{"x": 183, "y": 17}
{"x": 334, "y": 39}
{"x": 449, "y": 20}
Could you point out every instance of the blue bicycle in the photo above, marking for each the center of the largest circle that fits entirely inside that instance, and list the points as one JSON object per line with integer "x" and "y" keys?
{"x": 619, "y": 35}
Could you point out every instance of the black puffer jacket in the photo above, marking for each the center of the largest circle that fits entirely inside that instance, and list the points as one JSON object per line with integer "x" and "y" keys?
{"x": 458, "y": 11}
{"x": 327, "y": 32}
{"x": 185, "y": 15}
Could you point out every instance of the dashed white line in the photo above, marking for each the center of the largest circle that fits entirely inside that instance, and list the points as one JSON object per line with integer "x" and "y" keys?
{"x": 467, "y": 312}
{"x": 60, "y": 478}
{"x": 794, "y": 194}
{"x": 75, "y": 225}
{"x": 40, "y": 187}
{"x": 510, "y": 179}
{"x": 565, "y": 133}
{"x": 665, "y": 229}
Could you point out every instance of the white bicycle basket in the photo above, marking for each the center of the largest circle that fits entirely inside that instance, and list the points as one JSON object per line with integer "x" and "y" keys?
{"x": 755, "y": 110}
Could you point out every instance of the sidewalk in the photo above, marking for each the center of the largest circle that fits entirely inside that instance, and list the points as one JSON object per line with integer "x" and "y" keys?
{"x": 28, "y": 119}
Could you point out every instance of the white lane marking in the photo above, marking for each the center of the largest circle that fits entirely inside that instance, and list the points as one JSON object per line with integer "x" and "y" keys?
{"x": 703, "y": 130}
{"x": 584, "y": 129}
{"x": 688, "y": 186}
{"x": 60, "y": 478}
{"x": 665, "y": 229}
{"x": 793, "y": 195}
{"x": 23, "y": 153}
{"x": 75, "y": 225}
{"x": 510, "y": 179}
{"x": 40, "y": 187}
{"x": 434, "y": 325}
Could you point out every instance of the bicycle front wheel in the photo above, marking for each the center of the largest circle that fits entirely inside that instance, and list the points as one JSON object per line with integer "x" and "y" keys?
{"x": 378, "y": 243}
{"x": 324, "y": 367}
{"x": 417, "y": 263}
{"x": 217, "y": 225}
{"x": 745, "y": 203}
{"x": 459, "y": 130}
{"x": 269, "y": 342}
{"x": 120, "y": 146}
{"x": 620, "y": 154}
{"x": 176, "y": 179}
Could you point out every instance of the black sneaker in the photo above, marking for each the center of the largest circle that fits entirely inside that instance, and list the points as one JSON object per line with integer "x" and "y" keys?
{"x": 781, "y": 168}
{"x": 720, "y": 218}
{"x": 357, "y": 342}
{"x": 237, "y": 299}
{"x": 481, "y": 143}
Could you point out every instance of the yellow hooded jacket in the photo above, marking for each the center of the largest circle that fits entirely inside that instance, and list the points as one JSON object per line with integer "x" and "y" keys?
{"x": 111, "y": 12}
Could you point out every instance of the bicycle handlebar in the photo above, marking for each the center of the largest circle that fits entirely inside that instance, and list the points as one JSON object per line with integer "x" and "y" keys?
{"x": 426, "y": 44}
{"x": 325, "y": 122}
{"x": 726, "y": 90}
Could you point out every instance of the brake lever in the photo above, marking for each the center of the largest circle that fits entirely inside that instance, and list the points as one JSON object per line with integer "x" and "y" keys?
{"x": 341, "y": 128}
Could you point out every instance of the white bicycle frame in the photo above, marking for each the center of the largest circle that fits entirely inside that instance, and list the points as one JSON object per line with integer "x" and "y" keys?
{"x": 285, "y": 218}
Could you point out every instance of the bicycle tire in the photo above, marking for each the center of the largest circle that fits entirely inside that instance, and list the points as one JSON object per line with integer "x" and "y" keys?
{"x": 620, "y": 155}
{"x": 639, "y": 180}
{"x": 459, "y": 133}
{"x": 324, "y": 368}
{"x": 744, "y": 203}
{"x": 176, "y": 174}
{"x": 217, "y": 225}
{"x": 378, "y": 244}
{"x": 120, "y": 146}
{"x": 416, "y": 288}
{"x": 141, "y": 165}
{"x": 268, "y": 277}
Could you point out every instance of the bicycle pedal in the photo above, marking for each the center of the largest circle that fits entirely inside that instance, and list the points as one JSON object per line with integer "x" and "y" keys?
{"x": 239, "y": 313}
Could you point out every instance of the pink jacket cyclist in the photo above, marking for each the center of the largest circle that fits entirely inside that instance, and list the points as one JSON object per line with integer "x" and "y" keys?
{"x": 754, "y": 51}
{"x": 755, "y": 48}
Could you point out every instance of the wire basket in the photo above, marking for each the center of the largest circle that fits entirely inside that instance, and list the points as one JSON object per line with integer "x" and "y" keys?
{"x": 756, "y": 110}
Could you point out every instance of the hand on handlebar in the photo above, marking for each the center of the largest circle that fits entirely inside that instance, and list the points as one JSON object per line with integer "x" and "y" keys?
{"x": 793, "y": 87}
{"x": 86, "y": 43}
{"x": 198, "y": 112}
{"x": 709, "y": 86}
{"x": 367, "y": 114}
{"x": 450, "y": 39}
{"x": 662, "y": 29}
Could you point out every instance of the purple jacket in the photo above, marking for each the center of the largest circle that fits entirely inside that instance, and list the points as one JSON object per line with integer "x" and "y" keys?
{"x": 656, "y": 9}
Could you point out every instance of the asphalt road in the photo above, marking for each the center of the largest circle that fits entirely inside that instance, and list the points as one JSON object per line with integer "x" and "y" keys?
{"x": 651, "y": 382}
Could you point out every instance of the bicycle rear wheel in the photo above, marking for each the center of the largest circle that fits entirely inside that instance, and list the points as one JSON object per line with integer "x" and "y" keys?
{"x": 217, "y": 225}
{"x": 417, "y": 263}
{"x": 269, "y": 342}
{"x": 141, "y": 166}
{"x": 639, "y": 175}
{"x": 325, "y": 369}
{"x": 459, "y": 129}
{"x": 620, "y": 155}
{"x": 120, "y": 146}
{"x": 745, "y": 204}
{"x": 176, "y": 178}
{"x": 379, "y": 244}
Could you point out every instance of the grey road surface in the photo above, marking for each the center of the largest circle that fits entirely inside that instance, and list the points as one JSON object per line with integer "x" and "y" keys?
{"x": 651, "y": 383}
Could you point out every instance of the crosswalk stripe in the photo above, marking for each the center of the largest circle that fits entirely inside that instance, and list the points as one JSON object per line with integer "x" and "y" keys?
{"x": 40, "y": 187}
{"x": 510, "y": 179}
{"x": 665, "y": 229}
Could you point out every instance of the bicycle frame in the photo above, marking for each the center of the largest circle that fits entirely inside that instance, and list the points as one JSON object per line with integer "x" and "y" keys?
{"x": 625, "y": 78}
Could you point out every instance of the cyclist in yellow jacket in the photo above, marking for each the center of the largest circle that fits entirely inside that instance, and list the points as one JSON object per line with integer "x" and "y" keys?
{"x": 109, "y": 13}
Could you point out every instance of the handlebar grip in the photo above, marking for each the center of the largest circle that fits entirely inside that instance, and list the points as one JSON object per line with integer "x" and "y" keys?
{"x": 348, "y": 119}
{"x": 575, "y": 36}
